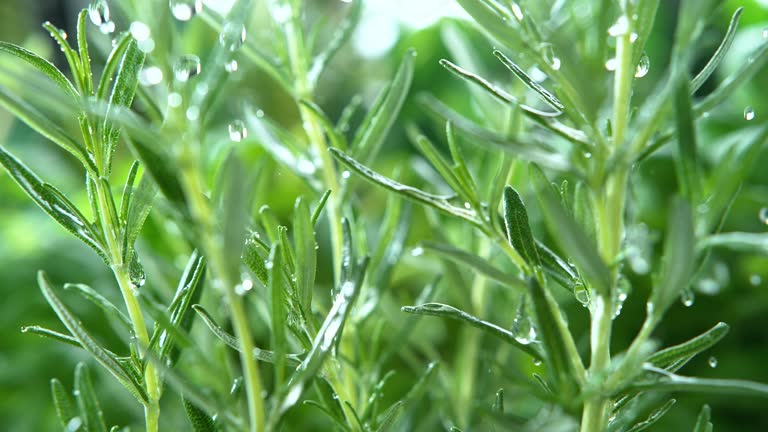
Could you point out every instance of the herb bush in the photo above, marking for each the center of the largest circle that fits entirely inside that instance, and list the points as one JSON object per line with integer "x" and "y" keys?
{"x": 266, "y": 246}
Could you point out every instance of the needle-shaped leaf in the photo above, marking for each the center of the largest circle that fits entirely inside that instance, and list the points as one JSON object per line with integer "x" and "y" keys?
{"x": 494, "y": 90}
{"x": 87, "y": 402}
{"x": 60, "y": 36}
{"x": 52, "y": 334}
{"x": 331, "y": 401}
{"x": 677, "y": 261}
{"x": 570, "y": 236}
{"x": 675, "y": 357}
{"x": 199, "y": 419}
{"x": 304, "y": 244}
{"x": 442, "y": 166}
{"x": 52, "y": 202}
{"x": 279, "y": 314}
{"x": 162, "y": 169}
{"x": 703, "y": 420}
{"x": 719, "y": 54}
{"x": 442, "y": 310}
{"x": 40, "y": 64}
{"x": 353, "y": 272}
{"x": 653, "y": 417}
{"x": 548, "y": 97}
{"x": 755, "y": 62}
{"x": 320, "y": 205}
{"x": 122, "y": 94}
{"x": 438, "y": 202}
{"x": 688, "y": 160}
{"x": 475, "y": 262}
{"x": 37, "y": 121}
{"x": 389, "y": 417}
{"x": 339, "y": 37}
{"x": 737, "y": 241}
{"x": 518, "y": 230}
{"x": 100, "y": 301}
{"x": 104, "y": 357}
{"x": 666, "y": 381}
{"x": 556, "y": 338}
{"x": 65, "y": 407}
{"x": 374, "y": 128}
{"x": 292, "y": 360}
{"x": 82, "y": 49}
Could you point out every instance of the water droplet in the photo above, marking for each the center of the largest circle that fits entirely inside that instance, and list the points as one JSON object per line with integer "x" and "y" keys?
{"x": 522, "y": 326}
{"x": 755, "y": 280}
{"x": 259, "y": 113}
{"x": 150, "y": 75}
{"x": 763, "y": 215}
{"x": 139, "y": 31}
{"x": 269, "y": 264}
{"x": 281, "y": 12}
{"x": 517, "y": 12}
{"x": 588, "y": 155}
{"x": 581, "y": 293}
{"x": 611, "y": 64}
{"x": 712, "y": 362}
{"x": 633, "y": 37}
{"x": 174, "y": 100}
{"x": 345, "y": 174}
{"x": 193, "y": 113}
{"x": 237, "y": 131}
{"x": 232, "y": 36}
{"x": 623, "y": 288}
{"x": 74, "y": 424}
{"x": 708, "y": 286}
{"x": 764, "y": 33}
{"x": 186, "y": 67}
{"x": 184, "y": 10}
{"x": 98, "y": 13}
{"x": 467, "y": 205}
{"x": 417, "y": 251}
{"x": 551, "y": 58}
{"x": 537, "y": 362}
{"x": 236, "y": 385}
{"x": 620, "y": 27}
{"x": 687, "y": 297}
{"x": 305, "y": 166}
{"x": 749, "y": 113}
{"x": 643, "y": 66}
{"x": 230, "y": 66}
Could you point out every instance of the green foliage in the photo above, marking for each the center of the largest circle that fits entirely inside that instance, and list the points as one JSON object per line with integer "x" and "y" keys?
{"x": 298, "y": 272}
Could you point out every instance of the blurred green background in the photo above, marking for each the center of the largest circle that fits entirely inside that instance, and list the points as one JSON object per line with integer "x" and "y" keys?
{"x": 732, "y": 288}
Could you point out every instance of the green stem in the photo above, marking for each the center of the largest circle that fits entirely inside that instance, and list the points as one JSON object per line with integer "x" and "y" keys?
{"x": 202, "y": 213}
{"x": 611, "y": 223}
{"x": 108, "y": 223}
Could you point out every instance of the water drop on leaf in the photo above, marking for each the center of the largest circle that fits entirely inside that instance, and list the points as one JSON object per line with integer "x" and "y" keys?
{"x": 755, "y": 280}
{"x": 232, "y": 36}
{"x": 237, "y": 131}
{"x": 712, "y": 362}
{"x": 763, "y": 215}
{"x": 620, "y": 27}
{"x": 186, "y": 67}
{"x": 749, "y": 113}
{"x": 150, "y": 75}
{"x": 230, "y": 66}
{"x": 643, "y": 66}
{"x": 687, "y": 297}
{"x": 581, "y": 294}
{"x": 184, "y": 10}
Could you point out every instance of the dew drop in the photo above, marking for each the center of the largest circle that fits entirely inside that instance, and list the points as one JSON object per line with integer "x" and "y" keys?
{"x": 611, "y": 64}
{"x": 74, "y": 424}
{"x": 551, "y": 58}
{"x": 620, "y": 27}
{"x": 633, "y": 37}
{"x": 749, "y": 113}
{"x": 623, "y": 288}
{"x": 417, "y": 251}
{"x": 259, "y": 113}
{"x": 581, "y": 294}
{"x": 237, "y": 131}
{"x": 755, "y": 280}
{"x": 537, "y": 362}
{"x": 174, "y": 100}
{"x": 186, "y": 67}
{"x": 98, "y": 13}
{"x": 193, "y": 113}
{"x": 305, "y": 166}
{"x": 139, "y": 31}
{"x": 232, "y": 36}
{"x": 281, "y": 12}
{"x": 687, "y": 297}
{"x": 184, "y": 10}
{"x": 643, "y": 66}
{"x": 269, "y": 264}
{"x": 150, "y": 75}
{"x": 763, "y": 215}
{"x": 230, "y": 66}
{"x": 345, "y": 174}
{"x": 467, "y": 205}
{"x": 764, "y": 33}
{"x": 712, "y": 362}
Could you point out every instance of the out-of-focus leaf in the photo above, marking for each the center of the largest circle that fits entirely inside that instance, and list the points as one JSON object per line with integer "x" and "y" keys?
{"x": 304, "y": 244}
{"x": 389, "y": 417}
{"x": 475, "y": 262}
{"x": 548, "y": 97}
{"x": 653, "y": 417}
{"x": 87, "y": 401}
{"x": 65, "y": 407}
{"x": 200, "y": 421}
{"x": 122, "y": 95}
{"x": 719, "y": 54}
{"x": 688, "y": 161}
{"x": 666, "y": 381}
{"x": 40, "y": 64}
{"x": 703, "y": 420}
{"x": 340, "y": 36}
{"x": 99, "y": 300}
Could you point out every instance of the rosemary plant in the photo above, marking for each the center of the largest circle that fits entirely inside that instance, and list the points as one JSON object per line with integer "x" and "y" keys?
{"x": 286, "y": 329}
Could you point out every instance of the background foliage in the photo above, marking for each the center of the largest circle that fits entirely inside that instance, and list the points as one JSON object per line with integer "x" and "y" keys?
{"x": 732, "y": 287}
